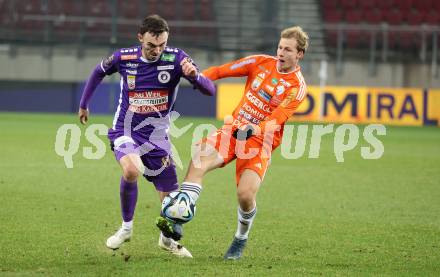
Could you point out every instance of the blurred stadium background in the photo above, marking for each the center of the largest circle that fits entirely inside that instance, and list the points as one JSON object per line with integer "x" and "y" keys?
{"x": 48, "y": 48}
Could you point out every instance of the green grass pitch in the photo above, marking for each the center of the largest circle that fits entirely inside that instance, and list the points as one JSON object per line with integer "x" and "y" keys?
{"x": 315, "y": 216}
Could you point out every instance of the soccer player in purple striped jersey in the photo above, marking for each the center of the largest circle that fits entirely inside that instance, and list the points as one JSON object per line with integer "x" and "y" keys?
{"x": 150, "y": 75}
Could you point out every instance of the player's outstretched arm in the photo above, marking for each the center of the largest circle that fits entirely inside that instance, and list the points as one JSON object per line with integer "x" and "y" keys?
{"x": 93, "y": 81}
{"x": 200, "y": 82}
{"x": 286, "y": 109}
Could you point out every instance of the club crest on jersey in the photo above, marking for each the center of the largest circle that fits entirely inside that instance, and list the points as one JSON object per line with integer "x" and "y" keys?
{"x": 280, "y": 90}
{"x": 274, "y": 81}
{"x": 131, "y": 81}
{"x": 164, "y": 77}
{"x": 256, "y": 83}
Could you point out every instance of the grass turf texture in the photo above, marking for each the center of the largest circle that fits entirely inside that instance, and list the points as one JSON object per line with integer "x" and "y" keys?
{"x": 316, "y": 216}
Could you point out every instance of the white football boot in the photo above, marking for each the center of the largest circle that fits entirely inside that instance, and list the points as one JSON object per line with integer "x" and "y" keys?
{"x": 173, "y": 246}
{"x": 121, "y": 236}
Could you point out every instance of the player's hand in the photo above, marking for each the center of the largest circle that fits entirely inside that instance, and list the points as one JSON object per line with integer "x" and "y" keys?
{"x": 244, "y": 132}
{"x": 83, "y": 115}
{"x": 188, "y": 68}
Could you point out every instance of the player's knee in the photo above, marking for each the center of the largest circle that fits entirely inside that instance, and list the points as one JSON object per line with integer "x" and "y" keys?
{"x": 130, "y": 173}
{"x": 246, "y": 199}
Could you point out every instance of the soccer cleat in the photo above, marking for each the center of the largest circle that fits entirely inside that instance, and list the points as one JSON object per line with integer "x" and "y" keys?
{"x": 236, "y": 249}
{"x": 169, "y": 229}
{"x": 173, "y": 246}
{"x": 121, "y": 236}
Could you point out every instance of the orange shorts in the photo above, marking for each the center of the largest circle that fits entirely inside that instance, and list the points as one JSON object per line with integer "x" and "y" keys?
{"x": 250, "y": 154}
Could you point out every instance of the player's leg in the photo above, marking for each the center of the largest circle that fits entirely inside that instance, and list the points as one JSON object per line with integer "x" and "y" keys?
{"x": 250, "y": 173}
{"x": 197, "y": 169}
{"x": 192, "y": 185}
{"x": 213, "y": 152}
{"x": 125, "y": 153}
{"x": 247, "y": 189}
{"x": 161, "y": 171}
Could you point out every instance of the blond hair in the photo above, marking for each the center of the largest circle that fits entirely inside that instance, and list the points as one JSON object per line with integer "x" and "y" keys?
{"x": 297, "y": 33}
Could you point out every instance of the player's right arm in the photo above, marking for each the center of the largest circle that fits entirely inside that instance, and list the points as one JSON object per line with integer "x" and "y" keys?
{"x": 238, "y": 68}
{"x": 107, "y": 66}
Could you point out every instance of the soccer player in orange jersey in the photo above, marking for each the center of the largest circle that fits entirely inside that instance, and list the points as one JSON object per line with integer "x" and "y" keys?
{"x": 274, "y": 89}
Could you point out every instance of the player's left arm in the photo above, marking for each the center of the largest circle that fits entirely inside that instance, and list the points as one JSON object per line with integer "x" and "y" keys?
{"x": 192, "y": 74}
{"x": 277, "y": 118}
{"x": 286, "y": 109}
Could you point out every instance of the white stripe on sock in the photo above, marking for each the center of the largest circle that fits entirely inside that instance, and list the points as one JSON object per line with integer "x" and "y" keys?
{"x": 193, "y": 189}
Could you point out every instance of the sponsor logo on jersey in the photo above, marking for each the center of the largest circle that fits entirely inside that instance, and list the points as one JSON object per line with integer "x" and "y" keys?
{"x": 131, "y": 81}
{"x": 130, "y": 50}
{"x": 132, "y": 65}
{"x": 253, "y": 111}
{"x": 164, "y": 77}
{"x": 248, "y": 117}
{"x": 257, "y": 102}
{"x": 132, "y": 72}
{"x": 264, "y": 95}
{"x": 148, "y": 101}
{"x": 128, "y": 57}
{"x": 261, "y": 75}
{"x": 275, "y": 101}
{"x": 280, "y": 90}
{"x": 269, "y": 88}
{"x": 168, "y": 57}
{"x": 256, "y": 83}
{"x": 170, "y": 49}
{"x": 242, "y": 63}
{"x": 165, "y": 67}
{"x": 285, "y": 83}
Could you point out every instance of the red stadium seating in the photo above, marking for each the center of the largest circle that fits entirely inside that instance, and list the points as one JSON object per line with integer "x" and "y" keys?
{"x": 376, "y": 12}
{"x": 385, "y": 4}
{"x": 333, "y": 16}
{"x": 331, "y": 4}
{"x": 367, "y": 5}
{"x": 373, "y": 16}
{"x": 394, "y": 17}
{"x": 432, "y": 18}
{"x": 414, "y": 18}
{"x": 423, "y": 5}
{"x": 348, "y": 4}
{"x": 353, "y": 16}
{"x": 404, "y": 5}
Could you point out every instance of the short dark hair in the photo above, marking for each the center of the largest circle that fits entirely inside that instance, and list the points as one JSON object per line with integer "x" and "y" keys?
{"x": 153, "y": 24}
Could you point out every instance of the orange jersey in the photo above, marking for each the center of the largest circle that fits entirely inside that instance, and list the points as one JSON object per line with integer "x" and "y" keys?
{"x": 270, "y": 96}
